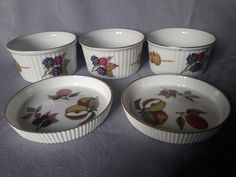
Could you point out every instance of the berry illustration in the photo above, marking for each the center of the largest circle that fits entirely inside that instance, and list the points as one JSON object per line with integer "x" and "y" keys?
{"x": 44, "y": 117}
{"x": 201, "y": 56}
{"x": 194, "y": 62}
{"x": 53, "y": 66}
{"x": 37, "y": 121}
{"x": 103, "y": 66}
{"x": 196, "y": 67}
{"x": 56, "y": 71}
{"x": 46, "y": 123}
{"x": 103, "y": 61}
{"x": 192, "y": 58}
{"x": 101, "y": 71}
{"x": 95, "y": 60}
{"x": 48, "y": 62}
{"x": 58, "y": 60}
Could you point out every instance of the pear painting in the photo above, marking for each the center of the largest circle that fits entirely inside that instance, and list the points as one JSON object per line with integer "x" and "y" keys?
{"x": 85, "y": 107}
{"x": 152, "y": 111}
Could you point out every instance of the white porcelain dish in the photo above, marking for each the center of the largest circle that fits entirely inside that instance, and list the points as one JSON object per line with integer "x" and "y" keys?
{"x": 179, "y": 51}
{"x": 59, "y": 109}
{"x": 112, "y": 53}
{"x": 175, "y": 109}
{"x": 43, "y": 55}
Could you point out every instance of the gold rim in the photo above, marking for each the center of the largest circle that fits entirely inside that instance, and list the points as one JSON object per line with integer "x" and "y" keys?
{"x": 168, "y": 130}
{"x": 81, "y": 124}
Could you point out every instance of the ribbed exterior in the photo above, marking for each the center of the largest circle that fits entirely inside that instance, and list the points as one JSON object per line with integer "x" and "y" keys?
{"x": 126, "y": 59}
{"x": 171, "y": 137}
{"x": 32, "y": 68}
{"x": 65, "y": 136}
{"x": 179, "y": 60}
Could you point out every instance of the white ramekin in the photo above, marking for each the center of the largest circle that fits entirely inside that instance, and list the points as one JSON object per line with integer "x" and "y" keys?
{"x": 112, "y": 53}
{"x": 43, "y": 55}
{"x": 179, "y": 51}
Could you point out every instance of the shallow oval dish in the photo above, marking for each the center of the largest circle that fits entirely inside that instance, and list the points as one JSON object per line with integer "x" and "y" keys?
{"x": 179, "y": 51}
{"x": 59, "y": 109}
{"x": 112, "y": 53}
{"x": 175, "y": 109}
{"x": 42, "y": 55}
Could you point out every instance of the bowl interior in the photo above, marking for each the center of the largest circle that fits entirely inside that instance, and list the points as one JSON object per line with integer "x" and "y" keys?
{"x": 181, "y": 37}
{"x": 175, "y": 103}
{"x": 41, "y": 41}
{"x": 112, "y": 38}
{"x": 58, "y": 104}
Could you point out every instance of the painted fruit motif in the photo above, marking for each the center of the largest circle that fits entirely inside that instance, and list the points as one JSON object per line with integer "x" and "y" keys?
{"x": 40, "y": 120}
{"x": 193, "y": 118}
{"x": 103, "y": 66}
{"x": 85, "y": 106}
{"x": 152, "y": 111}
{"x": 196, "y": 121}
{"x": 155, "y": 58}
{"x": 63, "y": 94}
{"x": 195, "y": 62}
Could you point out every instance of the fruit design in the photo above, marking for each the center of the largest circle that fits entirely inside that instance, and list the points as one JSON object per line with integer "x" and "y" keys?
{"x": 155, "y": 58}
{"x": 103, "y": 66}
{"x": 84, "y": 107}
{"x": 194, "y": 62}
{"x": 54, "y": 66}
{"x": 63, "y": 94}
{"x": 168, "y": 93}
{"x": 137, "y": 61}
{"x": 152, "y": 111}
{"x": 40, "y": 120}
{"x": 19, "y": 67}
{"x": 193, "y": 118}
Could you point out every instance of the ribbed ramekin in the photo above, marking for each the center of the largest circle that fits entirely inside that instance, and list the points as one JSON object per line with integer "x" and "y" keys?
{"x": 112, "y": 53}
{"x": 42, "y": 55}
{"x": 179, "y": 51}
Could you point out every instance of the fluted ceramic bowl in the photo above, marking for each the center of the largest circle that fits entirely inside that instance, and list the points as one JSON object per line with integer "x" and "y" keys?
{"x": 175, "y": 109}
{"x": 112, "y": 53}
{"x": 59, "y": 109}
{"x": 43, "y": 55}
{"x": 179, "y": 51}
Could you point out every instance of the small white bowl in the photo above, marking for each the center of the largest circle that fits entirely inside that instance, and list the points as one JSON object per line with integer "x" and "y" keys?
{"x": 179, "y": 51}
{"x": 59, "y": 109}
{"x": 112, "y": 53}
{"x": 43, "y": 55}
{"x": 175, "y": 109}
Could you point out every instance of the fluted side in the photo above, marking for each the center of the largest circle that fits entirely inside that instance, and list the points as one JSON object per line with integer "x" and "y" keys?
{"x": 171, "y": 137}
{"x": 174, "y": 61}
{"x": 65, "y": 136}
{"x": 128, "y": 61}
{"x": 32, "y": 69}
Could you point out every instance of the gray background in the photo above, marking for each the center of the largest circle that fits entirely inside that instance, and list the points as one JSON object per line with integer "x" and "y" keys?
{"x": 116, "y": 148}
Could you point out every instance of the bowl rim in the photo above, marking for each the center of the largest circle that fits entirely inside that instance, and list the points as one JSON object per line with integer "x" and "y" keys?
{"x": 80, "y": 125}
{"x": 176, "y": 47}
{"x": 166, "y": 129}
{"x": 83, "y": 37}
{"x": 25, "y": 52}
